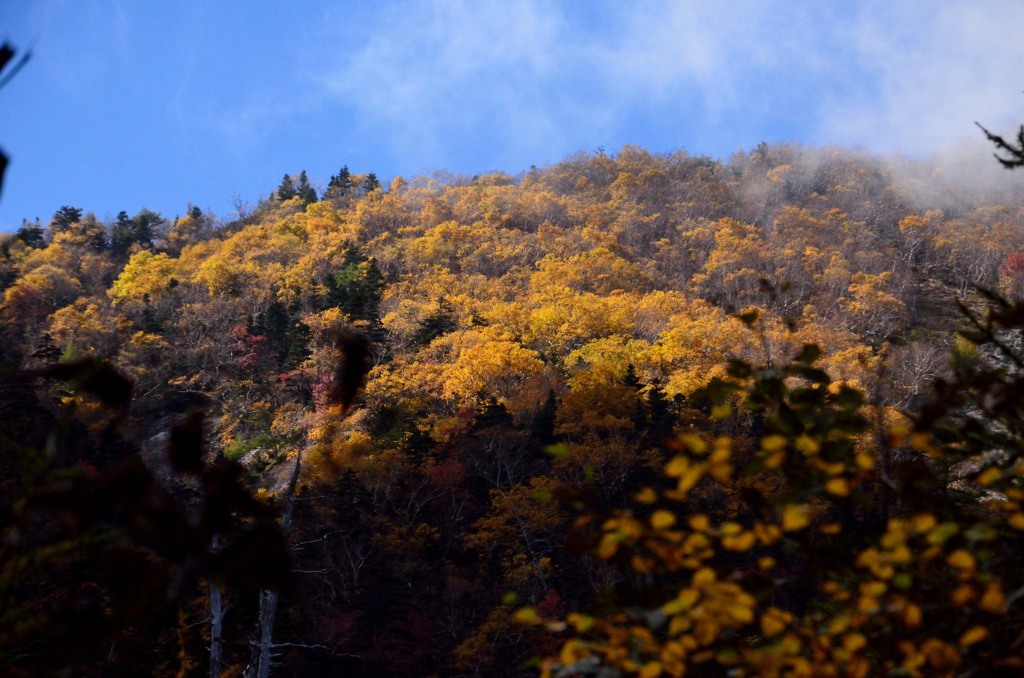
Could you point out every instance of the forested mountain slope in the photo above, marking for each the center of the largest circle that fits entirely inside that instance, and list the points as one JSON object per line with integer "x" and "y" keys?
{"x": 585, "y": 305}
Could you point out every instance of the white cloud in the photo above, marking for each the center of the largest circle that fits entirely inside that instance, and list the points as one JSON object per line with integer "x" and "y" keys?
{"x": 530, "y": 80}
{"x": 430, "y": 71}
{"x": 937, "y": 68}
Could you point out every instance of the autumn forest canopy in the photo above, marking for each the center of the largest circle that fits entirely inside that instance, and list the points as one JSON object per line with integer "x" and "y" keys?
{"x": 628, "y": 414}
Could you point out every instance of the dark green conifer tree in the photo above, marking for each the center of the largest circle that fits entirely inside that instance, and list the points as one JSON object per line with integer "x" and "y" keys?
{"x": 542, "y": 428}
{"x": 660, "y": 419}
{"x": 286, "y": 191}
{"x": 342, "y": 181}
{"x": 437, "y": 324}
{"x": 141, "y": 229}
{"x": 121, "y": 234}
{"x": 31, "y": 233}
{"x": 64, "y": 217}
{"x": 305, "y": 192}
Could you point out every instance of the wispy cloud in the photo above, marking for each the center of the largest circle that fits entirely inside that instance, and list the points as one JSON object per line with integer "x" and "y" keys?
{"x": 936, "y": 69}
{"x": 439, "y": 74}
{"x": 521, "y": 81}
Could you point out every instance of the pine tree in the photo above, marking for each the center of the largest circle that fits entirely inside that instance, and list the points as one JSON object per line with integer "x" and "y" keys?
{"x": 273, "y": 325}
{"x": 286, "y": 191}
{"x": 660, "y": 418}
{"x": 543, "y": 425}
{"x": 438, "y": 323}
{"x": 299, "y": 337}
{"x": 31, "y": 234}
{"x": 356, "y": 287}
{"x": 64, "y": 217}
{"x": 147, "y": 225}
{"x": 121, "y": 234}
{"x": 305, "y": 192}
{"x": 639, "y": 416}
{"x": 342, "y": 181}
{"x": 371, "y": 183}
{"x": 141, "y": 229}
{"x": 150, "y": 323}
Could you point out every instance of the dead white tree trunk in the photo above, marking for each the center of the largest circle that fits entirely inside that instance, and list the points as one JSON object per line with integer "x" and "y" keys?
{"x": 217, "y": 611}
{"x": 263, "y": 651}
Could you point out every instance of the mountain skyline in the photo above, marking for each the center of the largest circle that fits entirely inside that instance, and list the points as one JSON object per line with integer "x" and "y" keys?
{"x": 161, "y": 105}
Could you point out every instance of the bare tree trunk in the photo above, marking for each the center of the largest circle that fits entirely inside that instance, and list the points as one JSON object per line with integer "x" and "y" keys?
{"x": 217, "y": 611}
{"x": 263, "y": 651}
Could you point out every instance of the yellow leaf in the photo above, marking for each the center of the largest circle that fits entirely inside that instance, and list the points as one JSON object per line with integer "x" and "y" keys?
{"x": 973, "y": 635}
{"x": 661, "y": 519}
{"x": 989, "y": 476}
{"x": 766, "y": 533}
{"x": 942, "y": 532}
{"x": 721, "y": 411}
{"x": 679, "y": 624}
{"x": 854, "y": 642}
{"x": 1017, "y": 521}
{"x": 706, "y": 632}
{"x": 646, "y": 496}
{"x": 838, "y": 625}
{"x": 961, "y": 595}
{"x": 650, "y": 670}
{"x": 838, "y": 487}
{"x": 731, "y": 529}
{"x": 581, "y": 622}
{"x": 704, "y": 576}
{"x": 961, "y": 560}
{"x": 721, "y": 470}
{"x": 796, "y": 517}
{"x": 901, "y": 554}
{"x": 912, "y": 616}
{"x": 740, "y": 612}
{"x": 807, "y": 445}
{"x": 572, "y": 651}
{"x": 873, "y": 588}
{"x": 641, "y": 564}
{"x": 899, "y": 429}
{"x": 920, "y": 441}
{"x": 923, "y": 522}
{"x": 684, "y": 601}
{"x": 699, "y": 522}
{"x": 865, "y": 462}
{"x": 609, "y": 545}
{"x": 774, "y": 621}
{"x": 688, "y": 479}
{"x": 791, "y": 645}
{"x": 773, "y": 443}
{"x": 527, "y": 616}
{"x": 740, "y": 542}
{"x": 693, "y": 442}
{"x": 993, "y": 599}
{"x": 940, "y": 655}
{"x": 677, "y": 466}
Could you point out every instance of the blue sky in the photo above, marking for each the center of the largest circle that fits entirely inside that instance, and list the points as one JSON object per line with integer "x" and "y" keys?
{"x": 158, "y": 104}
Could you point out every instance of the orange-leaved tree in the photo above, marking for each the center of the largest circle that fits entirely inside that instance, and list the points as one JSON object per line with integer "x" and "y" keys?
{"x": 824, "y": 540}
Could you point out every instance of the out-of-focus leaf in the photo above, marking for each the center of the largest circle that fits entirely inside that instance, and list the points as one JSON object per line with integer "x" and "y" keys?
{"x": 353, "y": 365}
{"x": 185, "y": 446}
{"x": 94, "y": 377}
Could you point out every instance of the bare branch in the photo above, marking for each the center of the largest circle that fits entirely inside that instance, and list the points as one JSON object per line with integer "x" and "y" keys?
{"x": 1014, "y": 154}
